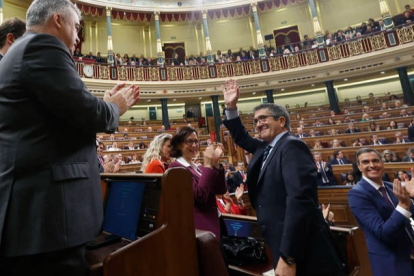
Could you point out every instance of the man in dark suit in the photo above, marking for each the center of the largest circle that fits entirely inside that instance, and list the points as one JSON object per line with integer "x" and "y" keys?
{"x": 410, "y": 156}
{"x": 339, "y": 158}
{"x": 50, "y": 191}
{"x": 300, "y": 132}
{"x": 383, "y": 210}
{"x": 10, "y": 30}
{"x": 324, "y": 175}
{"x": 352, "y": 129}
{"x": 239, "y": 176}
{"x": 282, "y": 188}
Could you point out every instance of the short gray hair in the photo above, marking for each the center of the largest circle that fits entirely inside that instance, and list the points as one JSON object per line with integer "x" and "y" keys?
{"x": 276, "y": 111}
{"x": 40, "y": 11}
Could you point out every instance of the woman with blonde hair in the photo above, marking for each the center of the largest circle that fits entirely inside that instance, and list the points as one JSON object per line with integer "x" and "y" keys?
{"x": 157, "y": 155}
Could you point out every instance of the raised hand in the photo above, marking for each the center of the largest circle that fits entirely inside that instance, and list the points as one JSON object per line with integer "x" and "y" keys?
{"x": 231, "y": 93}
{"x": 409, "y": 184}
{"x": 239, "y": 192}
{"x": 401, "y": 194}
{"x": 124, "y": 97}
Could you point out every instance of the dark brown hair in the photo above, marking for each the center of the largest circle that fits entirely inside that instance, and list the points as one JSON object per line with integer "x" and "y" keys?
{"x": 178, "y": 139}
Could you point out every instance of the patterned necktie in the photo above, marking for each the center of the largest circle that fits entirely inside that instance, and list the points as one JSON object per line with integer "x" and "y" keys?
{"x": 266, "y": 153}
{"x": 384, "y": 195}
{"x": 325, "y": 178}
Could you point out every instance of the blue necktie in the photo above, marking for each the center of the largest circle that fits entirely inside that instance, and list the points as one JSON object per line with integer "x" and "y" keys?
{"x": 266, "y": 153}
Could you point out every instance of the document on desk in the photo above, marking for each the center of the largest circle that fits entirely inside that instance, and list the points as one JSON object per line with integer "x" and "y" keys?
{"x": 269, "y": 273}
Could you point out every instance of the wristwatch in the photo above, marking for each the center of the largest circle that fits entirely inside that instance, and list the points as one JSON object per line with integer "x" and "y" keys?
{"x": 287, "y": 259}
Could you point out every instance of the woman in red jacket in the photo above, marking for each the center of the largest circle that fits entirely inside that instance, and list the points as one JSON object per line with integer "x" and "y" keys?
{"x": 226, "y": 204}
{"x": 157, "y": 155}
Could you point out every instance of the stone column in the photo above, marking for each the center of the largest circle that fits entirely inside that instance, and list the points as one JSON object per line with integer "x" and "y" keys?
{"x": 1, "y": 11}
{"x": 109, "y": 31}
{"x": 316, "y": 24}
{"x": 260, "y": 44}
{"x": 217, "y": 119}
{"x": 209, "y": 50}
{"x": 160, "y": 59}
{"x": 386, "y": 15}
{"x": 333, "y": 99}
{"x": 269, "y": 95}
{"x": 165, "y": 118}
{"x": 405, "y": 85}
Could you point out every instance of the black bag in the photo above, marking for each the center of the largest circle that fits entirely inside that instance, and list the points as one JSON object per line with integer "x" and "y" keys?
{"x": 244, "y": 250}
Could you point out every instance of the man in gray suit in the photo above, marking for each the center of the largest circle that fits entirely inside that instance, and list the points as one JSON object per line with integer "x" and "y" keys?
{"x": 50, "y": 193}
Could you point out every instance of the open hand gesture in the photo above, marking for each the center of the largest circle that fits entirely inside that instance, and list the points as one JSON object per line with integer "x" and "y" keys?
{"x": 231, "y": 93}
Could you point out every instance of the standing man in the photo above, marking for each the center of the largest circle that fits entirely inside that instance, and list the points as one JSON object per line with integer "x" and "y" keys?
{"x": 383, "y": 210}
{"x": 50, "y": 191}
{"x": 239, "y": 177}
{"x": 282, "y": 188}
{"x": 10, "y": 30}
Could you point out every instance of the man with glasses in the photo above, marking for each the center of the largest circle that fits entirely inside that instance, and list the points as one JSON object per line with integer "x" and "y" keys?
{"x": 283, "y": 189}
{"x": 50, "y": 190}
{"x": 383, "y": 211}
{"x": 10, "y": 30}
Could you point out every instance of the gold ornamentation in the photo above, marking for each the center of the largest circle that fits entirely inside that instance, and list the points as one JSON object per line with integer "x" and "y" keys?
{"x": 378, "y": 42}
{"x": 103, "y": 72}
{"x": 172, "y": 73}
{"x": 203, "y": 72}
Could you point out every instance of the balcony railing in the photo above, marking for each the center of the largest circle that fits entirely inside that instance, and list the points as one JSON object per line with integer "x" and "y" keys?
{"x": 360, "y": 46}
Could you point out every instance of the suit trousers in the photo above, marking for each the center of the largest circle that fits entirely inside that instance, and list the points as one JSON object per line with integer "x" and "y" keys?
{"x": 66, "y": 262}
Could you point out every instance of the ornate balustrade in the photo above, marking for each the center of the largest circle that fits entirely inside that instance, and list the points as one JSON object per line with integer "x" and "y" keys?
{"x": 361, "y": 46}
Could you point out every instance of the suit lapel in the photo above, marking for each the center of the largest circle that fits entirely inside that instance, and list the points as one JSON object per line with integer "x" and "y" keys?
{"x": 379, "y": 200}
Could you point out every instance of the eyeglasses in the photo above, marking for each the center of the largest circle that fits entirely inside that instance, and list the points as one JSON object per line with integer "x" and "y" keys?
{"x": 262, "y": 119}
{"x": 190, "y": 142}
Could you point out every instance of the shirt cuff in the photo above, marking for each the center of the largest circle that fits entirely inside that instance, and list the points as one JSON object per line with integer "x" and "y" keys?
{"x": 404, "y": 212}
{"x": 232, "y": 114}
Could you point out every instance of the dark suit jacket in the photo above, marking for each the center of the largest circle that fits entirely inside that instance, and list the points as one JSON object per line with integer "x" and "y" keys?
{"x": 384, "y": 229}
{"x": 355, "y": 130}
{"x": 205, "y": 188}
{"x": 237, "y": 179}
{"x": 284, "y": 194}
{"x": 50, "y": 189}
{"x": 334, "y": 161}
{"x": 329, "y": 175}
{"x": 410, "y": 132}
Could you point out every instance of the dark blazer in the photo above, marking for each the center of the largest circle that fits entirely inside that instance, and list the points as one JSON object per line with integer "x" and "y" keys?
{"x": 205, "y": 188}
{"x": 384, "y": 229}
{"x": 50, "y": 189}
{"x": 353, "y": 131}
{"x": 329, "y": 175}
{"x": 334, "y": 161}
{"x": 406, "y": 159}
{"x": 237, "y": 179}
{"x": 284, "y": 194}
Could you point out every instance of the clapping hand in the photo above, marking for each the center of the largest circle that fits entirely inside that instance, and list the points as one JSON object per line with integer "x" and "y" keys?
{"x": 401, "y": 194}
{"x": 231, "y": 93}
{"x": 124, "y": 97}
{"x": 212, "y": 156}
{"x": 239, "y": 192}
{"x": 409, "y": 184}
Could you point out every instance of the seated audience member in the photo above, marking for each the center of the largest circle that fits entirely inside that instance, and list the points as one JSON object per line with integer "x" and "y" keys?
{"x": 208, "y": 179}
{"x": 99, "y": 59}
{"x": 142, "y": 145}
{"x": 301, "y": 124}
{"x": 366, "y": 109}
{"x": 10, "y": 30}
{"x": 318, "y": 144}
{"x": 336, "y": 144}
{"x": 111, "y": 137}
{"x": 399, "y": 104}
{"x": 375, "y": 141}
{"x": 365, "y": 117}
{"x": 385, "y": 115}
{"x": 383, "y": 211}
{"x": 356, "y": 142}
{"x": 410, "y": 131}
{"x": 226, "y": 204}
{"x": 349, "y": 180}
{"x": 331, "y": 121}
{"x": 300, "y": 132}
{"x": 410, "y": 156}
{"x": 373, "y": 127}
{"x": 131, "y": 145}
{"x": 157, "y": 155}
{"x": 239, "y": 177}
{"x": 317, "y": 123}
{"x": 347, "y": 120}
{"x": 403, "y": 177}
{"x": 333, "y": 132}
{"x": 312, "y": 133}
{"x": 90, "y": 56}
{"x": 324, "y": 174}
{"x": 149, "y": 129}
{"x": 134, "y": 159}
{"x": 114, "y": 147}
{"x": 404, "y": 113}
{"x": 161, "y": 129}
{"x": 333, "y": 113}
{"x": 77, "y": 53}
{"x": 384, "y": 106}
{"x": 390, "y": 156}
{"x": 352, "y": 129}
{"x": 338, "y": 158}
{"x": 407, "y": 18}
{"x": 399, "y": 139}
{"x": 392, "y": 125}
